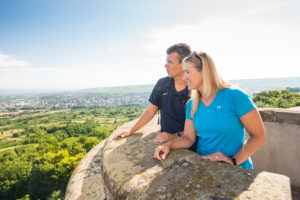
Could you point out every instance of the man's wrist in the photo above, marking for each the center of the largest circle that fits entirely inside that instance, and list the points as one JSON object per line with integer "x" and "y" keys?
{"x": 172, "y": 136}
{"x": 169, "y": 144}
{"x": 130, "y": 132}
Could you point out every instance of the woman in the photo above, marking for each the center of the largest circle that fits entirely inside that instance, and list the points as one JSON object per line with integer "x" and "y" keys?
{"x": 219, "y": 113}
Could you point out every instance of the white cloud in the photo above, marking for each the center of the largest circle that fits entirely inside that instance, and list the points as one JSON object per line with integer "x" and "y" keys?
{"x": 241, "y": 49}
{"x": 110, "y": 73}
{"x": 264, "y": 7}
{"x": 9, "y": 61}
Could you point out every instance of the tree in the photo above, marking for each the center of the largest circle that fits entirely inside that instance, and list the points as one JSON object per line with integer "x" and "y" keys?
{"x": 277, "y": 99}
{"x": 15, "y": 135}
{"x": 90, "y": 143}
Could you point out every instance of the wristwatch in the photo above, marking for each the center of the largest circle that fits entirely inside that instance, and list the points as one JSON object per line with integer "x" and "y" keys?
{"x": 178, "y": 134}
{"x": 233, "y": 160}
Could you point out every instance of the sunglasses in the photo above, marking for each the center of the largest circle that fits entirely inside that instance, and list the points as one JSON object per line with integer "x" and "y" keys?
{"x": 194, "y": 54}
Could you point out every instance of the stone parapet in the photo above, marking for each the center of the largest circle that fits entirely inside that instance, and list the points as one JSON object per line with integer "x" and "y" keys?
{"x": 287, "y": 116}
{"x": 280, "y": 154}
{"x": 126, "y": 169}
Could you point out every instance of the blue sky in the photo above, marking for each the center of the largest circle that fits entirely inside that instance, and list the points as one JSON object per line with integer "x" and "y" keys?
{"x": 64, "y": 44}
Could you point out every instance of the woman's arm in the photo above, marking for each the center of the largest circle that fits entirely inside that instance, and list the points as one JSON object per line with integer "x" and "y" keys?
{"x": 186, "y": 141}
{"x": 255, "y": 128}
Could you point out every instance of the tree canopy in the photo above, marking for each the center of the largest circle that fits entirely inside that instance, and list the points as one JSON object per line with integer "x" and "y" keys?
{"x": 277, "y": 99}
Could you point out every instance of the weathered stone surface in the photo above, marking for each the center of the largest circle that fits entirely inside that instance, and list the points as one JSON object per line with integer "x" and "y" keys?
{"x": 126, "y": 169}
{"x": 86, "y": 181}
{"x": 287, "y": 116}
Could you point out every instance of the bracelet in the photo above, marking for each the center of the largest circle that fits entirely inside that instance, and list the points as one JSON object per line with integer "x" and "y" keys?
{"x": 233, "y": 160}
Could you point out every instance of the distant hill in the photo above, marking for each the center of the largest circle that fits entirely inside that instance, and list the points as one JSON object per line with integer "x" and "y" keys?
{"x": 251, "y": 86}
{"x": 120, "y": 90}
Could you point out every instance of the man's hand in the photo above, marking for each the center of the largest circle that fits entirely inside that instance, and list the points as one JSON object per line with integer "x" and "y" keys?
{"x": 162, "y": 151}
{"x": 218, "y": 156}
{"x": 122, "y": 134}
{"x": 164, "y": 137}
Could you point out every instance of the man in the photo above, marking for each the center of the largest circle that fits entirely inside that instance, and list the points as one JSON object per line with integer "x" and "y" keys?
{"x": 171, "y": 102}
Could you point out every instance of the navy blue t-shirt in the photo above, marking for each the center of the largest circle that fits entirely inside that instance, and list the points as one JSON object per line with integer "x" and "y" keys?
{"x": 172, "y": 106}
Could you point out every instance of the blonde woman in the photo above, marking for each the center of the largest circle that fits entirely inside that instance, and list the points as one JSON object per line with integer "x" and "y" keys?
{"x": 219, "y": 113}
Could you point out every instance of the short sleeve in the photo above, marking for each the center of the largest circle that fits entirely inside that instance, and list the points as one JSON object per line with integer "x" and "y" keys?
{"x": 188, "y": 110}
{"x": 243, "y": 103}
{"x": 153, "y": 97}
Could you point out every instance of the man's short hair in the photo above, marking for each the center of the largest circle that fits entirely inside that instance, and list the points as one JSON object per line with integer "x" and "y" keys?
{"x": 182, "y": 49}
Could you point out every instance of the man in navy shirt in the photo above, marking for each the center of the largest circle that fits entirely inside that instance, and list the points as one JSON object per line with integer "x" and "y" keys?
{"x": 173, "y": 99}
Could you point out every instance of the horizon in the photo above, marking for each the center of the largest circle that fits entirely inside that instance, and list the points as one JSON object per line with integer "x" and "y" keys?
{"x": 58, "y": 90}
{"x": 73, "y": 45}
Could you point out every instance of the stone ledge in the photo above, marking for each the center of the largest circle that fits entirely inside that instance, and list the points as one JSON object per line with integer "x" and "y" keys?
{"x": 288, "y": 116}
{"x": 126, "y": 169}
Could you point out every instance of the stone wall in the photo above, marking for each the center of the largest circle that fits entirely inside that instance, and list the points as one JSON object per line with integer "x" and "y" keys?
{"x": 126, "y": 169}
{"x": 280, "y": 151}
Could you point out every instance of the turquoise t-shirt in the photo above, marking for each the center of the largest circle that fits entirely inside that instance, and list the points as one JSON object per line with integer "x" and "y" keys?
{"x": 218, "y": 124}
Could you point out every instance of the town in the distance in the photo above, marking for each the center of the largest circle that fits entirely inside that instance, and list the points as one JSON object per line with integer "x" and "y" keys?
{"x": 118, "y": 96}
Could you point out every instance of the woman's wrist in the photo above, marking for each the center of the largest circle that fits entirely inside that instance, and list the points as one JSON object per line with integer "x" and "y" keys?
{"x": 233, "y": 160}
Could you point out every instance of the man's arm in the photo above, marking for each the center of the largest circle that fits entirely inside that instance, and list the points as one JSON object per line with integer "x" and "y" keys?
{"x": 145, "y": 118}
{"x": 165, "y": 136}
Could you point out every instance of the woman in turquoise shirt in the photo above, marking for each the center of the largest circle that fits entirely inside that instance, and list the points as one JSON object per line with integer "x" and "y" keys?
{"x": 219, "y": 113}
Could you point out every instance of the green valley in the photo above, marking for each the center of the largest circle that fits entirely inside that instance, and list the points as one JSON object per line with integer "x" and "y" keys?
{"x": 39, "y": 149}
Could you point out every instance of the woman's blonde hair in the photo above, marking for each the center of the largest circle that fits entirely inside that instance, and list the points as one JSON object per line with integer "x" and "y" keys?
{"x": 212, "y": 81}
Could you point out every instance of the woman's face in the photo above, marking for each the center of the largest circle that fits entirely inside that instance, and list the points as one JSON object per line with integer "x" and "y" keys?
{"x": 193, "y": 78}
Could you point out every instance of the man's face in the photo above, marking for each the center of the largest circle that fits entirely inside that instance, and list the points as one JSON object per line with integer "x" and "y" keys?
{"x": 173, "y": 67}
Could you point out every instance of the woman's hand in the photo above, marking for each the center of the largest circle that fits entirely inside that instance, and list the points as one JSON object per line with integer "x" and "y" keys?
{"x": 218, "y": 156}
{"x": 162, "y": 151}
